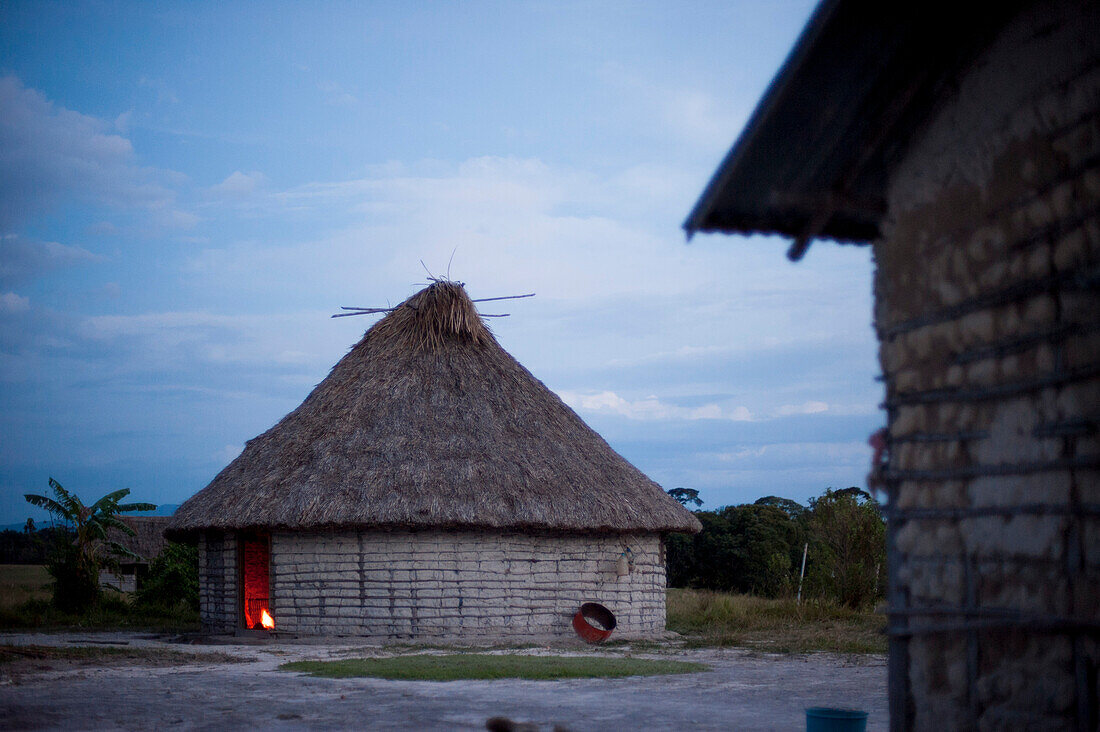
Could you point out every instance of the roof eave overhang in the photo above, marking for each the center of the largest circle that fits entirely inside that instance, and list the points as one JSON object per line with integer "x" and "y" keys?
{"x": 816, "y": 154}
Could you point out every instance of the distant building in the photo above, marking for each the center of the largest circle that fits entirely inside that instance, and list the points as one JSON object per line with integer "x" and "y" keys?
{"x": 147, "y": 542}
{"x": 963, "y": 142}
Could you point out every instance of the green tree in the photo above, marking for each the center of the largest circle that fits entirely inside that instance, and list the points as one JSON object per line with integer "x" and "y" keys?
{"x": 686, "y": 496}
{"x": 747, "y": 548}
{"x": 767, "y": 539}
{"x": 78, "y": 558}
{"x": 794, "y": 510}
{"x": 847, "y": 547}
{"x": 680, "y": 559}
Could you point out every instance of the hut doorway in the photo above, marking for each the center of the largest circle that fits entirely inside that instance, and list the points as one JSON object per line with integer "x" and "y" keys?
{"x": 255, "y": 584}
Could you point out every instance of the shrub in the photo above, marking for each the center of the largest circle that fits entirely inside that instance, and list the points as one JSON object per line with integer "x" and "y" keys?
{"x": 848, "y": 548}
{"x": 75, "y": 582}
{"x": 173, "y": 578}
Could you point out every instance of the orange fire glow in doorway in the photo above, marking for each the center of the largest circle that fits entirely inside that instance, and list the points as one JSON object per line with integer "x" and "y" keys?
{"x": 255, "y": 557}
{"x": 266, "y": 620}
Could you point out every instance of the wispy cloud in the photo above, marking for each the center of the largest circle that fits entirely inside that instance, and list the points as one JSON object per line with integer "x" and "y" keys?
{"x": 10, "y": 302}
{"x": 692, "y": 114}
{"x": 51, "y": 152}
{"x": 650, "y": 407}
{"x": 799, "y": 452}
{"x": 238, "y": 185}
{"x": 337, "y": 95}
{"x": 163, "y": 91}
{"x": 23, "y": 259}
{"x": 804, "y": 408}
{"x": 227, "y": 454}
{"x": 257, "y": 340}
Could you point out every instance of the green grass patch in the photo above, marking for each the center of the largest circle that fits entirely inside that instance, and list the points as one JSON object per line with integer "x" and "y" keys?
{"x": 709, "y": 619}
{"x": 454, "y": 667}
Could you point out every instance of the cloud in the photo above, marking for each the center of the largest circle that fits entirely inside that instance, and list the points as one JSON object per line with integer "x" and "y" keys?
{"x": 13, "y": 303}
{"x": 698, "y": 117}
{"x": 336, "y": 95}
{"x": 804, "y": 408}
{"x": 102, "y": 228}
{"x": 746, "y": 453}
{"x": 622, "y": 306}
{"x": 227, "y": 454}
{"x": 239, "y": 185}
{"x": 197, "y": 341}
{"x": 122, "y": 122}
{"x": 650, "y": 407}
{"x": 800, "y": 453}
{"x": 50, "y": 153}
{"x": 513, "y": 222}
{"x": 160, "y": 86}
{"x": 692, "y": 114}
{"x": 23, "y": 259}
{"x": 110, "y": 290}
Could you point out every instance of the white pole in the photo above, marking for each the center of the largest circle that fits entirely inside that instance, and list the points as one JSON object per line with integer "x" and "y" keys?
{"x": 802, "y": 574}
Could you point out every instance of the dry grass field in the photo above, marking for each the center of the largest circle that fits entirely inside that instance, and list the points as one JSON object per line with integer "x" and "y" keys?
{"x": 777, "y": 626}
{"x": 22, "y": 582}
{"x": 25, "y": 604}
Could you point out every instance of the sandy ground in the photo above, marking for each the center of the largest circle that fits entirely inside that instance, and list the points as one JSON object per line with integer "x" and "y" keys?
{"x": 744, "y": 690}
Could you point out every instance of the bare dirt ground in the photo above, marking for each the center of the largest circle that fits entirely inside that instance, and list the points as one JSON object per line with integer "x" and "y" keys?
{"x": 234, "y": 683}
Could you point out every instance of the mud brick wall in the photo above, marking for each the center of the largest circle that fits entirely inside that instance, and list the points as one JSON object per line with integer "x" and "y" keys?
{"x": 440, "y": 584}
{"x": 989, "y": 320}
{"x": 218, "y": 602}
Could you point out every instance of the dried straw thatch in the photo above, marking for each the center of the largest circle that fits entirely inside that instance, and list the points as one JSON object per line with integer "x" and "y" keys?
{"x": 428, "y": 422}
{"x": 148, "y": 539}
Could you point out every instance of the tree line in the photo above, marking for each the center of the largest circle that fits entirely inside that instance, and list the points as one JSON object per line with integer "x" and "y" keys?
{"x": 757, "y": 548}
{"x": 29, "y": 546}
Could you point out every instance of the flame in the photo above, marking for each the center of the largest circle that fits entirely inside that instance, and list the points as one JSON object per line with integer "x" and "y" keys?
{"x": 266, "y": 620}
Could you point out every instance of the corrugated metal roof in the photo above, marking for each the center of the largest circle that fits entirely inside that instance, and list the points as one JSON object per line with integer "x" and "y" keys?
{"x": 814, "y": 158}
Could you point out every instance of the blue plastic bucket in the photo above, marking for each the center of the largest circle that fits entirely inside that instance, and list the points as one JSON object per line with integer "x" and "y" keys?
{"x": 824, "y": 719}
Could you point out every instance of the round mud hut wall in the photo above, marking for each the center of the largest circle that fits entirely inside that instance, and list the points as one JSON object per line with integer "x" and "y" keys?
{"x": 430, "y": 487}
{"x": 446, "y": 585}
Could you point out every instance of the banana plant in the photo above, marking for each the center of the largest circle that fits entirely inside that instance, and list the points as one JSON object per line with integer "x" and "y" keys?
{"x": 93, "y": 549}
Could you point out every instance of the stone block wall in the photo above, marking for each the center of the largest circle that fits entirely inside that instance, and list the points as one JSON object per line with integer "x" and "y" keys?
{"x": 218, "y": 599}
{"x": 988, "y": 313}
{"x": 449, "y": 585}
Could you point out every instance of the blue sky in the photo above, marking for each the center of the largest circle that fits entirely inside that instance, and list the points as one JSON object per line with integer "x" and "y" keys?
{"x": 189, "y": 190}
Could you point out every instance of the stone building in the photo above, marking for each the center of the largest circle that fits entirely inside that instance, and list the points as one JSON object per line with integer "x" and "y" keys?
{"x": 965, "y": 148}
{"x": 430, "y": 487}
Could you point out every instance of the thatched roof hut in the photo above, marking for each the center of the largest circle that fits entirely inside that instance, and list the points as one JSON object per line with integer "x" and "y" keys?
{"x": 429, "y": 422}
{"x": 148, "y": 539}
{"x": 431, "y": 446}
{"x": 147, "y": 542}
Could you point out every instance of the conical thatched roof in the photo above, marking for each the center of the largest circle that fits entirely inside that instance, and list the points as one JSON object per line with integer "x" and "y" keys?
{"x": 428, "y": 422}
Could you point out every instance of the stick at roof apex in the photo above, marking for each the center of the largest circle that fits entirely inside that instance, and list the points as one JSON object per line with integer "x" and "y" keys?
{"x": 371, "y": 311}
{"x": 506, "y": 297}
